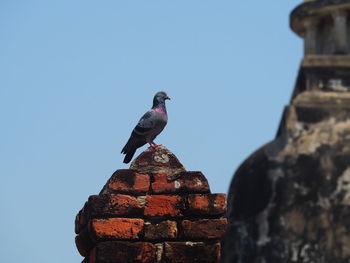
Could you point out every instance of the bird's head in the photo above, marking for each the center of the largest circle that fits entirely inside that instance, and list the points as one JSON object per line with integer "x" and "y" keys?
{"x": 160, "y": 98}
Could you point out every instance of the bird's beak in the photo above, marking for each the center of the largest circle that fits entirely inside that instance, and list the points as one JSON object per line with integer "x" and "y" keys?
{"x": 167, "y": 98}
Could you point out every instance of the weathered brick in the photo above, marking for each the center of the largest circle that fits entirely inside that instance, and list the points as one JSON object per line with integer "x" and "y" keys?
{"x": 116, "y": 228}
{"x": 127, "y": 181}
{"x": 114, "y": 218}
{"x": 189, "y": 252}
{"x": 123, "y": 252}
{"x": 193, "y": 182}
{"x": 163, "y": 230}
{"x": 206, "y": 204}
{"x": 158, "y": 157}
{"x": 81, "y": 219}
{"x": 204, "y": 228}
{"x": 83, "y": 242}
{"x": 162, "y": 185}
{"x": 113, "y": 205}
{"x": 163, "y": 206}
{"x": 185, "y": 182}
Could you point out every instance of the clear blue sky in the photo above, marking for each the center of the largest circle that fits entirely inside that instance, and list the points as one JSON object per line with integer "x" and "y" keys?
{"x": 75, "y": 77}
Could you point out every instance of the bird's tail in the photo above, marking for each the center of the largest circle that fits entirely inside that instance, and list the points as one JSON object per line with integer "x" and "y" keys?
{"x": 129, "y": 155}
{"x": 129, "y": 149}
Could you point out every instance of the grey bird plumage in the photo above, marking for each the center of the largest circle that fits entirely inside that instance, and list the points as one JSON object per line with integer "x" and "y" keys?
{"x": 148, "y": 127}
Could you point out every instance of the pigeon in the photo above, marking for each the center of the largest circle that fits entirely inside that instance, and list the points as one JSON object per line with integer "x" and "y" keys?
{"x": 148, "y": 127}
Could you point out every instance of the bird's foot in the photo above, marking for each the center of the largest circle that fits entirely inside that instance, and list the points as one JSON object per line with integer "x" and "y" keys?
{"x": 153, "y": 145}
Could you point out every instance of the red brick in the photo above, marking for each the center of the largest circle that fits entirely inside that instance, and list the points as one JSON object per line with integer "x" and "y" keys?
{"x": 113, "y": 205}
{"x": 128, "y": 182}
{"x": 206, "y": 204}
{"x": 116, "y": 228}
{"x": 123, "y": 252}
{"x": 204, "y": 228}
{"x": 81, "y": 219}
{"x": 194, "y": 182}
{"x": 162, "y": 185}
{"x": 163, "y": 206}
{"x": 189, "y": 252}
{"x": 163, "y": 230}
{"x": 185, "y": 182}
{"x": 84, "y": 243}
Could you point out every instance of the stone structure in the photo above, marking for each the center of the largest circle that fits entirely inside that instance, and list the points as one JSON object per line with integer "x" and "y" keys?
{"x": 290, "y": 200}
{"x": 156, "y": 211}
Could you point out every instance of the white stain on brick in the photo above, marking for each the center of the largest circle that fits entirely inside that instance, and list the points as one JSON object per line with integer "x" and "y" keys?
{"x": 163, "y": 158}
{"x": 141, "y": 200}
{"x": 199, "y": 182}
{"x": 343, "y": 187}
{"x": 160, "y": 249}
{"x": 177, "y": 184}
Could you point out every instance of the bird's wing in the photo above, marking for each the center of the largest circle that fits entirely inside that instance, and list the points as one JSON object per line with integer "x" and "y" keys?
{"x": 146, "y": 123}
{"x": 140, "y": 133}
{"x": 148, "y": 127}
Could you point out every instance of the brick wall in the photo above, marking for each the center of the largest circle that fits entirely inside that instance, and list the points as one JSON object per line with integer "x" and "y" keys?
{"x": 156, "y": 211}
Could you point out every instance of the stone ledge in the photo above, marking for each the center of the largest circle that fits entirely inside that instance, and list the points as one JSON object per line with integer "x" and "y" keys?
{"x": 313, "y": 9}
{"x": 326, "y": 61}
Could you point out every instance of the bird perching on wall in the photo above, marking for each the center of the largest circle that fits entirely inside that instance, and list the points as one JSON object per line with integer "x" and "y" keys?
{"x": 148, "y": 127}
